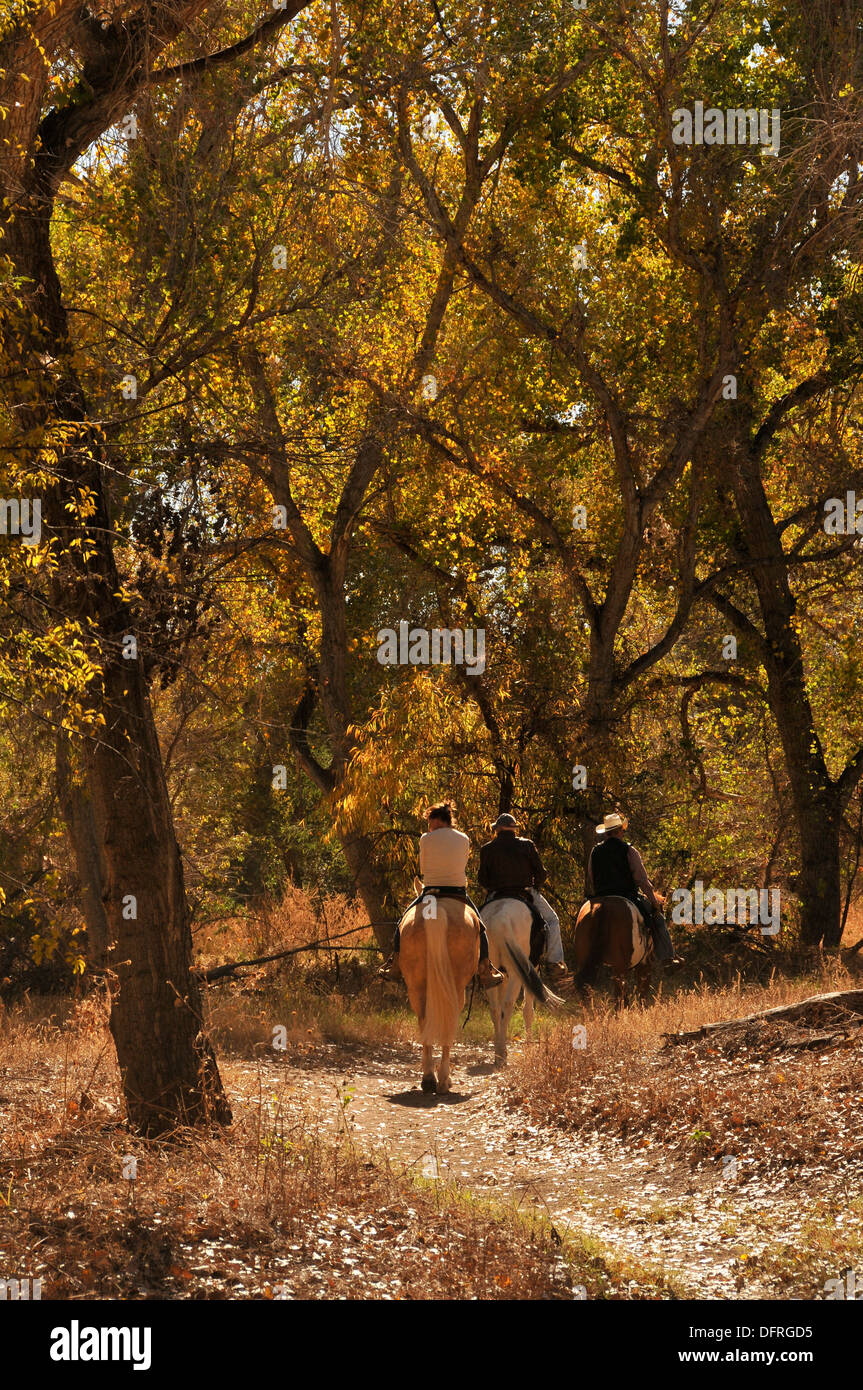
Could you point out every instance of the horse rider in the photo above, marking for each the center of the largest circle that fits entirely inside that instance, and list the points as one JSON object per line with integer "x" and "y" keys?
{"x": 511, "y": 867}
{"x": 615, "y": 868}
{"x": 444, "y": 852}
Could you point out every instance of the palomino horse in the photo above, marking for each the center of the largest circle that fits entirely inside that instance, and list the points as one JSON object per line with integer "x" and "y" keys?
{"x": 508, "y": 922}
{"x": 610, "y": 931}
{"x": 439, "y": 956}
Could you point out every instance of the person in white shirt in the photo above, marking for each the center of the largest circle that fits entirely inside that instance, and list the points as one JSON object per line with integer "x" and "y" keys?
{"x": 444, "y": 852}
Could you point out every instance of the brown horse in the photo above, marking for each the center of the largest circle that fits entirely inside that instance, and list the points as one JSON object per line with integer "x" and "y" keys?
{"x": 611, "y": 931}
{"x": 439, "y": 958}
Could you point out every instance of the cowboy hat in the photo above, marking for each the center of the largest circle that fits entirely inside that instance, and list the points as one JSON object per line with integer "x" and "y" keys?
{"x": 615, "y": 821}
{"x": 505, "y": 822}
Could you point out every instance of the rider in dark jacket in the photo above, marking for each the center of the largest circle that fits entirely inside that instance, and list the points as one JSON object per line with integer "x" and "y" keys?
{"x": 509, "y": 863}
{"x": 616, "y": 867}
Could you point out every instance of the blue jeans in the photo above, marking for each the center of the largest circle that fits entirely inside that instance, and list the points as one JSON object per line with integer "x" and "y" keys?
{"x": 554, "y": 944}
{"x": 655, "y": 918}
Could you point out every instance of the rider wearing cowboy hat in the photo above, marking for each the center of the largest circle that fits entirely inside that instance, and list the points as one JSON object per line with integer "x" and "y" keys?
{"x": 509, "y": 863}
{"x": 616, "y": 868}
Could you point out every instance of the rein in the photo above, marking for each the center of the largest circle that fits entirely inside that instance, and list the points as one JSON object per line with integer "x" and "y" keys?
{"x": 470, "y": 1001}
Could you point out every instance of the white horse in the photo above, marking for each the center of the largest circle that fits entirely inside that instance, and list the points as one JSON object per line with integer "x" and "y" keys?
{"x": 507, "y": 922}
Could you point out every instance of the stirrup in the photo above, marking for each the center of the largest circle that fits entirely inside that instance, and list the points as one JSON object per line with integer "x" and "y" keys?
{"x": 491, "y": 972}
{"x": 557, "y": 969}
{"x": 391, "y": 969}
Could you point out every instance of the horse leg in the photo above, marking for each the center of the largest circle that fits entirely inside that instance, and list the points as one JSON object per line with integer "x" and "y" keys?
{"x": 502, "y": 1032}
{"x": 642, "y": 980}
{"x": 497, "y": 1000}
{"x": 497, "y": 1004}
{"x": 428, "y": 1081}
{"x": 528, "y": 1015}
{"x": 506, "y": 1013}
{"x": 443, "y": 1073}
{"x": 620, "y": 991}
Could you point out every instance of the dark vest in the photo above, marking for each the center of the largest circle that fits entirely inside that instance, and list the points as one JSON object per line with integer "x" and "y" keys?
{"x": 610, "y": 868}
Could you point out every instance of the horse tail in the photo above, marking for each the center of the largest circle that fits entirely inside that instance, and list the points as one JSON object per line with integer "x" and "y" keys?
{"x": 443, "y": 1005}
{"x": 529, "y": 977}
{"x": 597, "y": 918}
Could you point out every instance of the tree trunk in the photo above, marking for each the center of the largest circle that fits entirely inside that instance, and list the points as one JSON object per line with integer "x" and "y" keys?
{"x": 372, "y": 886}
{"x": 84, "y": 838}
{"x": 815, "y": 797}
{"x": 819, "y": 888}
{"x": 601, "y": 752}
{"x": 169, "y": 1072}
{"x": 358, "y": 848}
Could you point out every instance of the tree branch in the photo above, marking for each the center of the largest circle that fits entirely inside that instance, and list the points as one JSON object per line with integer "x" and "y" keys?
{"x": 269, "y": 26}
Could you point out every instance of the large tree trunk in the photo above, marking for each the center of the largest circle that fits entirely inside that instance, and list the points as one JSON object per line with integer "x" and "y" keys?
{"x": 816, "y": 799}
{"x": 84, "y": 838}
{"x": 361, "y": 857}
{"x": 601, "y": 751}
{"x": 169, "y": 1071}
{"x": 359, "y": 848}
{"x": 372, "y": 885}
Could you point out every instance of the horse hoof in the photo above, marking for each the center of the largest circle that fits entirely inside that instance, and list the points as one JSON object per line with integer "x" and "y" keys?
{"x": 442, "y": 1088}
{"x": 429, "y": 1084}
{"x": 500, "y": 1062}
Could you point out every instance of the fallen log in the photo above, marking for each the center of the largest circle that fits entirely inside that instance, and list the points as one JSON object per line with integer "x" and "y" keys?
{"x": 812, "y": 1042}
{"x": 849, "y": 1001}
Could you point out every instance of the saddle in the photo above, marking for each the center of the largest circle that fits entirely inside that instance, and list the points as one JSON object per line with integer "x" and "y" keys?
{"x": 538, "y": 928}
{"x": 646, "y": 913}
{"x": 445, "y": 891}
{"x": 640, "y": 903}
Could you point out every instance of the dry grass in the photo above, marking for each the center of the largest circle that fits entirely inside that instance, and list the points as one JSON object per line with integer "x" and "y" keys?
{"x": 241, "y": 1022}
{"x": 279, "y": 1206}
{"x": 272, "y": 1208}
{"x": 295, "y": 920}
{"x": 829, "y": 1242}
{"x": 750, "y": 1094}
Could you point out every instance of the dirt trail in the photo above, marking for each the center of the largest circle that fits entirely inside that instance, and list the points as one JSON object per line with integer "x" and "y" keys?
{"x": 702, "y": 1230}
